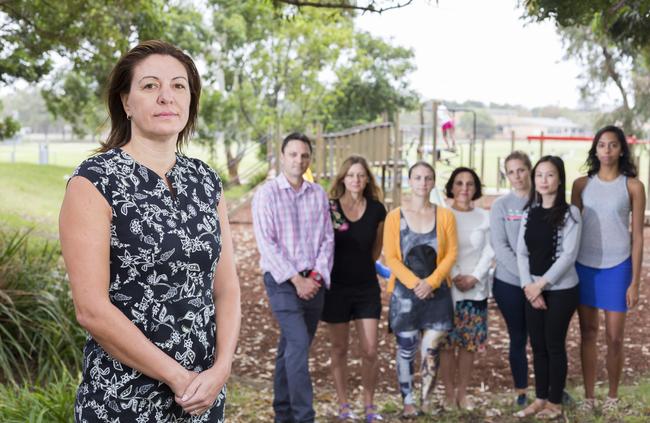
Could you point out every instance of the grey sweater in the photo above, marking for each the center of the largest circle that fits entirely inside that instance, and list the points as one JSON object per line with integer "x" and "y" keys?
{"x": 562, "y": 274}
{"x": 505, "y": 217}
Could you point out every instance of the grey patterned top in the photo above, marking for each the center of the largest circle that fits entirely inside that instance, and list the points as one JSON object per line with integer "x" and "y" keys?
{"x": 406, "y": 311}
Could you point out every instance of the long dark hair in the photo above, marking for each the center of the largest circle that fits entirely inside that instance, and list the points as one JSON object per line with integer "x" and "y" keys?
{"x": 560, "y": 206}
{"x": 120, "y": 83}
{"x": 625, "y": 164}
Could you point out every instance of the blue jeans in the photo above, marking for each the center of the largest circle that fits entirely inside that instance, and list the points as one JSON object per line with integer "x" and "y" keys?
{"x": 512, "y": 303}
{"x": 298, "y": 319}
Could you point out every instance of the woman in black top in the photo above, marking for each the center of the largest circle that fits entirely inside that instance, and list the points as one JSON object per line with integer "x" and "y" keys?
{"x": 546, "y": 252}
{"x": 358, "y": 219}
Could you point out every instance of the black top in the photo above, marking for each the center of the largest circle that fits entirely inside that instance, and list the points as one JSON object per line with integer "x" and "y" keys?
{"x": 353, "y": 242}
{"x": 164, "y": 247}
{"x": 541, "y": 241}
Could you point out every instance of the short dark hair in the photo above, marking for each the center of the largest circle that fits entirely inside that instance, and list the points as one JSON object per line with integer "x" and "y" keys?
{"x": 120, "y": 83}
{"x": 477, "y": 182}
{"x": 424, "y": 164}
{"x": 296, "y": 136}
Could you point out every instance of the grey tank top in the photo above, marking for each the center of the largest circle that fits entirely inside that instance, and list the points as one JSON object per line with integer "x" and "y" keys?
{"x": 605, "y": 238}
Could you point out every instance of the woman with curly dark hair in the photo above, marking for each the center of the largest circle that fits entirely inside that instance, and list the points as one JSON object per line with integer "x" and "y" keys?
{"x": 609, "y": 261}
{"x": 469, "y": 277}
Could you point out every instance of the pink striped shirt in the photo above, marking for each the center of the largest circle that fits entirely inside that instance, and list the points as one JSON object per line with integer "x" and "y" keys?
{"x": 293, "y": 229}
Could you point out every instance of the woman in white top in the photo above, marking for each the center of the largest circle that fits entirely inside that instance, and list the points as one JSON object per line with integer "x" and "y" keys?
{"x": 469, "y": 289}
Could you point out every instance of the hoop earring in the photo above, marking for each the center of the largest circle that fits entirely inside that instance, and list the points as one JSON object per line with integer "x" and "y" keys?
{"x": 128, "y": 117}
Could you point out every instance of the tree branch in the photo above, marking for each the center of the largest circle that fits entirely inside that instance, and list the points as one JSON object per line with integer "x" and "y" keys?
{"x": 611, "y": 71}
{"x": 614, "y": 8}
{"x": 370, "y": 7}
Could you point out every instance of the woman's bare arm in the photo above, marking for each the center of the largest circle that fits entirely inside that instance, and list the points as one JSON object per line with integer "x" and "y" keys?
{"x": 637, "y": 197}
{"x": 84, "y": 228}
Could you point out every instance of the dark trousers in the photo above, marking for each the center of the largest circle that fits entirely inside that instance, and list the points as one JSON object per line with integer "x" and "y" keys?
{"x": 512, "y": 303}
{"x": 298, "y": 319}
{"x": 547, "y": 330}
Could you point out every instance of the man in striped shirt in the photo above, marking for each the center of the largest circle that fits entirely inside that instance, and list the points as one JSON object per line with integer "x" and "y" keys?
{"x": 295, "y": 238}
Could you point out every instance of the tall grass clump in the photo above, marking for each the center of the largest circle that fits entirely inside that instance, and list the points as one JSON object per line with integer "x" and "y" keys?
{"x": 49, "y": 403}
{"x": 39, "y": 335}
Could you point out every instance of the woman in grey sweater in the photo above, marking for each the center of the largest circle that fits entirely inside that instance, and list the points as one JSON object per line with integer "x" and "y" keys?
{"x": 505, "y": 217}
{"x": 547, "y": 248}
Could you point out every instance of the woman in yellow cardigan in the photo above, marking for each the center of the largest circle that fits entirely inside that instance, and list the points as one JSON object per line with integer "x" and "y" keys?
{"x": 420, "y": 247}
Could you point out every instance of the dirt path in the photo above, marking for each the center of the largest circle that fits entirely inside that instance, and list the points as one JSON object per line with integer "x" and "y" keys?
{"x": 255, "y": 357}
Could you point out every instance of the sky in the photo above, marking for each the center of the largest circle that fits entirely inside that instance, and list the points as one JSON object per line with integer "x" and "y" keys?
{"x": 480, "y": 50}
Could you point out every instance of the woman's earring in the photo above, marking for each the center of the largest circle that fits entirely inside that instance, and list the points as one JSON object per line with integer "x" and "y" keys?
{"x": 128, "y": 117}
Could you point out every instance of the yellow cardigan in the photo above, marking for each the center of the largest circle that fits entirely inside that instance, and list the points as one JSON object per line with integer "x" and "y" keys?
{"x": 447, "y": 250}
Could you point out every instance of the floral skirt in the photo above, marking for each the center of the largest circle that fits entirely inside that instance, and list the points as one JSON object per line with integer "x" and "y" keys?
{"x": 470, "y": 326}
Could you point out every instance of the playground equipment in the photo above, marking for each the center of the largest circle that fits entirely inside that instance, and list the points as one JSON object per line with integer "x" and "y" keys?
{"x": 379, "y": 143}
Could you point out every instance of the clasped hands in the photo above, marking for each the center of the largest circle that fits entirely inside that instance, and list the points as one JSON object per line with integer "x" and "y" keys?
{"x": 464, "y": 282}
{"x": 423, "y": 290}
{"x": 533, "y": 293}
{"x": 306, "y": 288}
{"x": 197, "y": 392}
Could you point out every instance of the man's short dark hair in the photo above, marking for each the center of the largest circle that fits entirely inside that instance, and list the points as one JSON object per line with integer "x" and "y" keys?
{"x": 296, "y": 136}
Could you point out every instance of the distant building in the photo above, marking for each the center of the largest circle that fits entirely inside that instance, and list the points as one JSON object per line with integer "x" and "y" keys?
{"x": 526, "y": 125}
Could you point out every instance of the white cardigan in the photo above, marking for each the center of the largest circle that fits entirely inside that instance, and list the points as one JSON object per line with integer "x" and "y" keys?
{"x": 475, "y": 254}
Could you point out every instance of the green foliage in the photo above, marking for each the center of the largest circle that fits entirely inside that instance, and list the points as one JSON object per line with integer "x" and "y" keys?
{"x": 372, "y": 82}
{"x": 40, "y": 335}
{"x": 257, "y": 179}
{"x": 626, "y": 23}
{"x": 612, "y": 41}
{"x": 48, "y": 403}
{"x": 8, "y": 126}
{"x": 485, "y": 125}
{"x": 91, "y": 35}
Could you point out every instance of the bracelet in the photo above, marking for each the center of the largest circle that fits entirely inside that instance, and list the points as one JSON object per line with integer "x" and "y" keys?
{"x": 316, "y": 277}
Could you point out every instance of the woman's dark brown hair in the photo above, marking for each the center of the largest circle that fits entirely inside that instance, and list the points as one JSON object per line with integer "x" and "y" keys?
{"x": 372, "y": 190}
{"x": 120, "y": 83}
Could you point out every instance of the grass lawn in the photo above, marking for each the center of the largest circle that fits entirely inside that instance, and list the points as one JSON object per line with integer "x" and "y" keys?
{"x": 30, "y": 196}
{"x": 70, "y": 154}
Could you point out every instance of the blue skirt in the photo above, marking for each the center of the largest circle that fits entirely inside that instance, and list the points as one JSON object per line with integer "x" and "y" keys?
{"x": 605, "y": 288}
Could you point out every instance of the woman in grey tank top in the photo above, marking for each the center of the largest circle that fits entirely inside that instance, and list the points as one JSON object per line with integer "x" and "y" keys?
{"x": 609, "y": 260}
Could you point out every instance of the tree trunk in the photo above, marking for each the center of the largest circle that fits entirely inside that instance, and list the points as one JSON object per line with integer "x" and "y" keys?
{"x": 233, "y": 166}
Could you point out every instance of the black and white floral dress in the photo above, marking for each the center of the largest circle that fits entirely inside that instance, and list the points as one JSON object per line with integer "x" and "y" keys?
{"x": 164, "y": 248}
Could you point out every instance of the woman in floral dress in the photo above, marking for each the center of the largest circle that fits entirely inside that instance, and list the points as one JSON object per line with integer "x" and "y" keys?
{"x": 147, "y": 246}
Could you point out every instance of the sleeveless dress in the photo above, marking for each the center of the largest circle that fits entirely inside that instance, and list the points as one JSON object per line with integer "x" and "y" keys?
{"x": 407, "y": 312}
{"x": 604, "y": 264}
{"x": 164, "y": 248}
